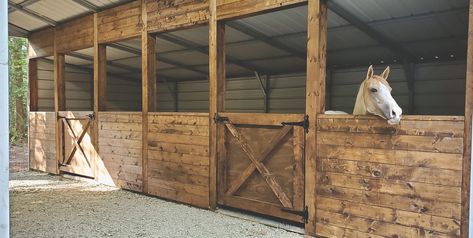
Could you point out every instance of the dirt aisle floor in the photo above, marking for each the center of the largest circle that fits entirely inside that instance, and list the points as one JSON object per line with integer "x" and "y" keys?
{"x": 51, "y": 206}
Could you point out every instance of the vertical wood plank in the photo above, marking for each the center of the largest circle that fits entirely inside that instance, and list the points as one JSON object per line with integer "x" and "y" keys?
{"x": 59, "y": 98}
{"x": 148, "y": 87}
{"x": 216, "y": 96}
{"x": 315, "y": 98}
{"x": 100, "y": 90}
{"x": 33, "y": 84}
{"x": 298, "y": 183}
{"x": 465, "y": 200}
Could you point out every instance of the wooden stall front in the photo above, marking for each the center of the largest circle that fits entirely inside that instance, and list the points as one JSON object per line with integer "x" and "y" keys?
{"x": 385, "y": 181}
{"x": 42, "y": 143}
{"x": 338, "y": 175}
{"x": 178, "y": 157}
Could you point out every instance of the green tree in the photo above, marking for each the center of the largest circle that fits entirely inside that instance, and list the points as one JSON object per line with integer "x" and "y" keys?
{"x": 18, "y": 86}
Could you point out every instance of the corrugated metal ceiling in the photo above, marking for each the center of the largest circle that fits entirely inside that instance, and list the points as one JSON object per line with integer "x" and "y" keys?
{"x": 428, "y": 29}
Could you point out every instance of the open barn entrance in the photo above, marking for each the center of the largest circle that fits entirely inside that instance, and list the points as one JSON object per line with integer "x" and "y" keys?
{"x": 261, "y": 130}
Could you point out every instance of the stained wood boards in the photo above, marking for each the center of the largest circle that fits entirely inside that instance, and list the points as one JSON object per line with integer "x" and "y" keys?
{"x": 78, "y": 153}
{"x": 178, "y": 157}
{"x": 466, "y": 193}
{"x": 120, "y": 150}
{"x": 124, "y": 21}
{"x": 42, "y": 143}
{"x": 262, "y": 165}
{"x": 75, "y": 35}
{"x": 119, "y": 23}
{"x": 41, "y": 43}
{"x": 168, "y": 15}
{"x": 237, "y": 8}
{"x": 378, "y": 180}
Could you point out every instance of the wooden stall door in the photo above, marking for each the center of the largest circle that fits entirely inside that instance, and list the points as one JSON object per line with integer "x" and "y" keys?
{"x": 78, "y": 152}
{"x": 261, "y": 165}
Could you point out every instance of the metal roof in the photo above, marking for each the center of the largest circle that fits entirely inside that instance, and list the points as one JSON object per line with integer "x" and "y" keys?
{"x": 360, "y": 32}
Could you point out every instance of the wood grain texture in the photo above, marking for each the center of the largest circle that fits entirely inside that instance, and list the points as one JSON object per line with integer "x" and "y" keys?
{"x": 231, "y": 8}
{"x": 263, "y": 165}
{"x": 120, "y": 150}
{"x": 78, "y": 151}
{"x": 42, "y": 143}
{"x": 468, "y": 127}
{"x": 33, "y": 84}
{"x": 169, "y": 15}
{"x": 75, "y": 35}
{"x": 41, "y": 43}
{"x": 178, "y": 162}
{"x": 120, "y": 23}
{"x": 387, "y": 180}
{"x": 216, "y": 99}
{"x": 315, "y": 99}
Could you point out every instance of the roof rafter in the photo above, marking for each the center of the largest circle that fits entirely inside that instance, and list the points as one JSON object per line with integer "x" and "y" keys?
{"x": 32, "y": 13}
{"x": 22, "y": 32}
{"x": 165, "y": 60}
{"x": 266, "y": 39}
{"x": 87, "y": 5}
{"x": 379, "y": 37}
{"x": 205, "y": 50}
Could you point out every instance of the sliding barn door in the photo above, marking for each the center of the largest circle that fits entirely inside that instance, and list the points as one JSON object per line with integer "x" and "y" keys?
{"x": 261, "y": 163}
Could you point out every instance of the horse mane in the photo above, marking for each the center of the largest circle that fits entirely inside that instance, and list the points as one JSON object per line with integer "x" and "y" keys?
{"x": 360, "y": 108}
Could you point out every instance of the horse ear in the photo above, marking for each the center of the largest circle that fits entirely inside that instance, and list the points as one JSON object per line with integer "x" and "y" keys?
{"x": 370, "y": 72}
{"x": 385, "y": 74}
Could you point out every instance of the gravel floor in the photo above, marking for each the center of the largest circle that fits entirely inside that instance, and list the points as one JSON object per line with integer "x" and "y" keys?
{"x": 51, "y": 206}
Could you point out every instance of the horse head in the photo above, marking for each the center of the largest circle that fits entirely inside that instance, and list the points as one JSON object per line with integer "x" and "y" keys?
{"x": 374, "y": 97}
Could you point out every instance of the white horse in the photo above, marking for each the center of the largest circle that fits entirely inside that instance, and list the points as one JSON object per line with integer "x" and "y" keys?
{"x": 374, "y": 97}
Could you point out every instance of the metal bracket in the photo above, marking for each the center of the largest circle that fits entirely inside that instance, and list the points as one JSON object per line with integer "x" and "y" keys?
{"x": 304, "y": 123}
{"x": 218, "y": 119}
{"x": 304, "y": 213}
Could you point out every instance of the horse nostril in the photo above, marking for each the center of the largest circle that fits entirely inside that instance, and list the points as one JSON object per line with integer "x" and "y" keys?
{"x": 393, "y": 113}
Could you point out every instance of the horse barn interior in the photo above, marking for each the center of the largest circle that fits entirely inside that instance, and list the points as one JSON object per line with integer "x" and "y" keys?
{"x": 220, "y": 104}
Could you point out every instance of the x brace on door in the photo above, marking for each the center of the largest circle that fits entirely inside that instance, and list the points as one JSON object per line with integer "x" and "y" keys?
{"x": 76, "y": 139}
{"x": 256, "y": 163}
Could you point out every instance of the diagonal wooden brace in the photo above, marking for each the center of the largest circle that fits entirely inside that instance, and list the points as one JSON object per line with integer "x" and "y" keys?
{"x": 277, "y": 190}
{"x": 76, "y": 140}
{"x": 236, "y": 184}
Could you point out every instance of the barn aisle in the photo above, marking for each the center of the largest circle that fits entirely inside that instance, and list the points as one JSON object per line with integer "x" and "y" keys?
{"x": 50, "y": 206}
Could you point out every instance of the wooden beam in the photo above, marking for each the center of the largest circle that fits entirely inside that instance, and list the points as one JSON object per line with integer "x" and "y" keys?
{"x": 33, "y": 84}
{"x": 374, "y": 34}
{"x": 100, "y": 92}
{"x": 466, "y": 173}
{"x": 148, "y": 85}
{"x": 216, "y": 97}
{"x": 59, "y": 98}
{"x": 315, "y": 99}
{"x": 59, "y": 82}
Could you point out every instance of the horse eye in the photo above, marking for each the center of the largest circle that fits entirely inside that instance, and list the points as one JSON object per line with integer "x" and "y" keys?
{"x": 373, "y": 90}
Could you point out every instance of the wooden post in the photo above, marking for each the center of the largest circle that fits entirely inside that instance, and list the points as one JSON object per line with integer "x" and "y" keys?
{"x": 33, "y": 84}
{"x": 59, "y": 98}
{"x": 216, "y": 95}
{"x": 465, "y": 198}
{"x": 100, "y": 91}
{"x": 148, "y": 86}
{"x": 315, "y": 99}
